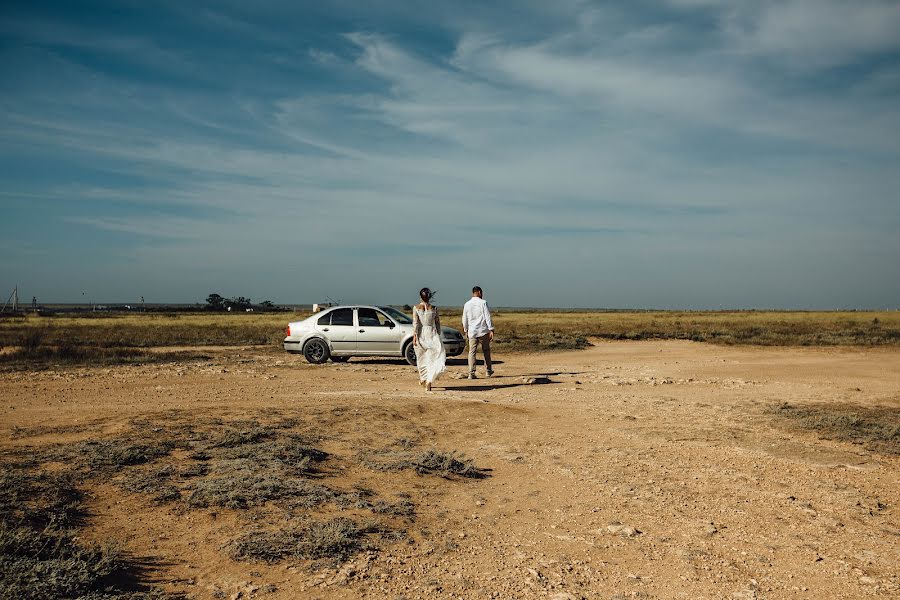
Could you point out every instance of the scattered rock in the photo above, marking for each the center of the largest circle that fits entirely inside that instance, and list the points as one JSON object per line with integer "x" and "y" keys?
{"x": 536, "y": 380}
{"x": 866, "y": 580}
{"x": 711, "y": 529}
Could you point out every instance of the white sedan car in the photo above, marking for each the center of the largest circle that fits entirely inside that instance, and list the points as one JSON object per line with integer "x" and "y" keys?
{"x": 344, "y": 331}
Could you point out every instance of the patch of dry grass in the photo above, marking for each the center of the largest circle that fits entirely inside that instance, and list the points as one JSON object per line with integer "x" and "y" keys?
{"x": 430, "y": 462}
{"x": 335, "y": 539}
{"x": 876, "y": 428}
{"x": 27, "y": 432}
{"x": 255, "y": 468}
{"x": 40, "y": 555}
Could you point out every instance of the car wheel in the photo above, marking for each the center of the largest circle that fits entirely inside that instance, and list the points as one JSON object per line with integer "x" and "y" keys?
{"x": 316, "y": 351}
{"x": 340, "y": 358}
{"x": 409, "y": 353}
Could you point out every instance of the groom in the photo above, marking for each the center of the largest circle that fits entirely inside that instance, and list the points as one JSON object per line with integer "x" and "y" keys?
{"x": 477, "y": 325}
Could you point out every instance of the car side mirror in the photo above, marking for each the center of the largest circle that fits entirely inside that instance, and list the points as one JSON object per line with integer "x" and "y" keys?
{"x": 390, "y": 324}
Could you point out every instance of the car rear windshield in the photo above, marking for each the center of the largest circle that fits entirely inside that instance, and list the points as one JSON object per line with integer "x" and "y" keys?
{"x": 396, "y": 315}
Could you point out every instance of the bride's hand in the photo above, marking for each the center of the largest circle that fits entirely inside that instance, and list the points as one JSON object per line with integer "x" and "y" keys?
{"x": 415, "y": 340}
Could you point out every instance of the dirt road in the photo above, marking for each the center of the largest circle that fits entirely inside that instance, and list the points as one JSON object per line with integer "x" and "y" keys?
{"x": 642, "y": 470}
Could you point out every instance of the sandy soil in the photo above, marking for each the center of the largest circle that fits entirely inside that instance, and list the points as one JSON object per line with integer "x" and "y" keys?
{"x": 643, "y": 470}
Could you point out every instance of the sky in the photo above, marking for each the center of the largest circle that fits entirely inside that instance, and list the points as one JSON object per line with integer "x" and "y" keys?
{"x": 627, "y": 154}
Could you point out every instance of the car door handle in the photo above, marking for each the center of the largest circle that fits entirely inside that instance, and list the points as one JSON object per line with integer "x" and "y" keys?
{"x": 324, "y": 329}
{"x": 362, "y": 330}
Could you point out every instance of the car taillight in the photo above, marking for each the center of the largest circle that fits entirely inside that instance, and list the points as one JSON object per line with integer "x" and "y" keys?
{"x": 287, "y": 331}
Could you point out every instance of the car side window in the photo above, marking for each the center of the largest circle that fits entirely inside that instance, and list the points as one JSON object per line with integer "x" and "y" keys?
{"x": 383, "y": 319}
{"x": 342, "y": 316}
{"x": 324, "y": 319}
{"x": 368, "y": 317}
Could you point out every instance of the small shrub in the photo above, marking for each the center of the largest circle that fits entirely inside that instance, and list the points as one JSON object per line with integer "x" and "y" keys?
{"x": 336, "y": 539}
{"x": 430, "y": 462}
{"x": 446, "y": 464}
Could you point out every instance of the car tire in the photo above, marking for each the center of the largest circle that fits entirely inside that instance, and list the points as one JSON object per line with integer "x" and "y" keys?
{"x": 316, "y": 351}
{"x": 409, "y": 353}
{"x": 340, "y": 358}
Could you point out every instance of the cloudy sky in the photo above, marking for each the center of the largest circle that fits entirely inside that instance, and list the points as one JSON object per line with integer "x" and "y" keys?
{"x": 680, "y": 153}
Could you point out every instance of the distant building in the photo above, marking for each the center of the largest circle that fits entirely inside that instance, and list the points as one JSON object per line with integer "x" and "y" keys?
{"x": 321, "y": 306}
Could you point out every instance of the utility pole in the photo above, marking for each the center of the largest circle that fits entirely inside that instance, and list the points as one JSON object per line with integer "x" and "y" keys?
{"x": 14, "y": 299}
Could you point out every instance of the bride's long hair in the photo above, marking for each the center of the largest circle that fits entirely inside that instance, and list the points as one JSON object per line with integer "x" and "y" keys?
{"x": 426, "y": 295}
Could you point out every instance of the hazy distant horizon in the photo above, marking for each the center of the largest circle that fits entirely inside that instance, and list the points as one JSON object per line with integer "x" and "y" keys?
{"x": 299, "y": 305}
{"x": 692, "y": 154}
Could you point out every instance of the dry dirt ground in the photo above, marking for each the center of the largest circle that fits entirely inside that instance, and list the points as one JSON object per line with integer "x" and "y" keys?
{"x": 642, "y": 470}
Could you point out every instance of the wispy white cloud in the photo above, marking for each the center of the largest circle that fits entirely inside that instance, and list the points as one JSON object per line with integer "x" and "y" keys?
{"x": 816, "y": 33}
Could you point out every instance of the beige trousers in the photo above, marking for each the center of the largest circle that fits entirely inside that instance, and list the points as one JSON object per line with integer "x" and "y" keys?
{"x": 485, "y": 342}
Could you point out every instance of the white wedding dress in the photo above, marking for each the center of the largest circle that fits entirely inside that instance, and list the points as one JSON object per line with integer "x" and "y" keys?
{"x": 431, "y": 359}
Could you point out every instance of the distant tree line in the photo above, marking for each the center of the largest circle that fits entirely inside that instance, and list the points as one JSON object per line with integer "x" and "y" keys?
{"x": 217, "y": 302}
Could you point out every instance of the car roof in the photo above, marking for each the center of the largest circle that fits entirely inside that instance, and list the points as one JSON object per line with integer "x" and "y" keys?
{"x": 331, "y": 308}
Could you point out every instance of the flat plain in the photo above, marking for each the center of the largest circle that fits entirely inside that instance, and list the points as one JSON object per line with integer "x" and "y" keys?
{"x": 650, "y": 466}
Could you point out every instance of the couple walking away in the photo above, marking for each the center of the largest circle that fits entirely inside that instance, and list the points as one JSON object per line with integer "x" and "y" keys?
{"x": 431, "y": 359}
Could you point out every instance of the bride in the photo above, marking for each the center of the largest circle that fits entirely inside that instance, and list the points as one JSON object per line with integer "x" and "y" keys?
{"x": 430, "y": 354}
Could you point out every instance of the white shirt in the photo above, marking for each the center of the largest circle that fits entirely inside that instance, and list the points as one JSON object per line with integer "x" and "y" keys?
{"x": 476, "y": 318}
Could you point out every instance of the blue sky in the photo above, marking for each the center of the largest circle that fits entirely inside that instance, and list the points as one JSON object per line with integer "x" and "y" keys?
{"x": 673, "y": 154}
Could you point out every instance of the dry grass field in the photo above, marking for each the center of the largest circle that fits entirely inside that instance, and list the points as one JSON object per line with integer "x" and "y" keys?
{"x": 110, "y": 338}
{"x": 157, "y": 457}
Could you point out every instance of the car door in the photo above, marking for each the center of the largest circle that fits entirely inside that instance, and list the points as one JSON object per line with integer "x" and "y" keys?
{"x": 339, "y": 329}
{"x": 377, "y": 333}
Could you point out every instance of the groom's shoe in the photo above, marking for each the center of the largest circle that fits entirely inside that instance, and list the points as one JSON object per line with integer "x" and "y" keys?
{"x": 472, "y": 376}
{"x": 490, "y": 373}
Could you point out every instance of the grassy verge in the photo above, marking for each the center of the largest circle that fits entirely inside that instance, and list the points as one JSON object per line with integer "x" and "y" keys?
{"x": 876, "y": 428}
